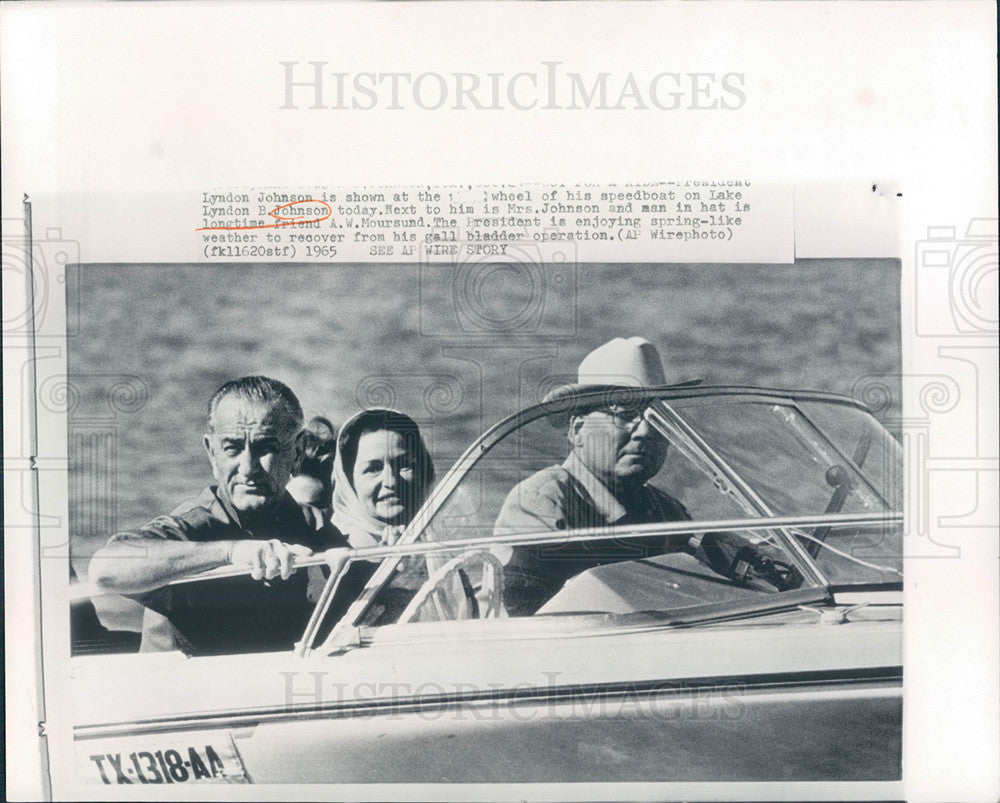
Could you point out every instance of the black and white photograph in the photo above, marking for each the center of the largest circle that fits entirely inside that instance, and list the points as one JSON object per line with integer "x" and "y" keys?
{"x": 550, "y": 522}
{"x": 500, "y": 401}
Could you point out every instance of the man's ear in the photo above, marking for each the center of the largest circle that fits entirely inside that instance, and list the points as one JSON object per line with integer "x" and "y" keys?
{"x": 575, "y": 424}
{"x": 209, "y": 451}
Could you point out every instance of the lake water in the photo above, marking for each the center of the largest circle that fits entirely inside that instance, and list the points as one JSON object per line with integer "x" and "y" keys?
{"x": 457, "y": 350}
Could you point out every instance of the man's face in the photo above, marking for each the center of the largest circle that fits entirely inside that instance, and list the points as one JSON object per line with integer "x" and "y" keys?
{"x": 252, "y": 450}
{"x": 618, "y": 446}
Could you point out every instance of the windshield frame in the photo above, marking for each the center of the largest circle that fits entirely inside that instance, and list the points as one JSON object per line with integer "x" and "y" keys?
{"x": 586, "y": 397}
{"x": 739, "y": 485}
{"x": 409, "y": 544}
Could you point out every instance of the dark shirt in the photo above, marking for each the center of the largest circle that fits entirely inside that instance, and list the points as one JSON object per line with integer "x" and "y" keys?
{"x": 235, "y": 614}
{"x": 570, "y": 497}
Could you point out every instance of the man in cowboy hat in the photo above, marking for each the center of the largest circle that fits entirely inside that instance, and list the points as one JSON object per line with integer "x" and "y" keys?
{"x": 614, "y": 452}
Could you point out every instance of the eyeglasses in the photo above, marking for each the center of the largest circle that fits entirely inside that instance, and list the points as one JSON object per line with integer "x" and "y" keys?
{"x": 624, "y": 416}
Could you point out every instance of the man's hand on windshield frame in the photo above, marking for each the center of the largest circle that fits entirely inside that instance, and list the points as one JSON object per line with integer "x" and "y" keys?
{"x": 743, "y": 561}
{"x": 268, "y": 559}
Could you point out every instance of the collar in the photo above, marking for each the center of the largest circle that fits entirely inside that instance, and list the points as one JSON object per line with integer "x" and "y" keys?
{"x": 605, "y": 502}
{"x": 227, "y": 511}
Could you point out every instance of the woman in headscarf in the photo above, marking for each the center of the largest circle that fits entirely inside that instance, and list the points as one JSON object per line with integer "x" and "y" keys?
{"x": 382, "y": 473}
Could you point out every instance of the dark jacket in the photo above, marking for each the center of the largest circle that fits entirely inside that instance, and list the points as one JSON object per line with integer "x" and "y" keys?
{"x": 237, "y": 614}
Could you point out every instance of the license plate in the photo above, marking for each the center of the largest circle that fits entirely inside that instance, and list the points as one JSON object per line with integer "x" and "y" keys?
{"x": 202, "y": 757}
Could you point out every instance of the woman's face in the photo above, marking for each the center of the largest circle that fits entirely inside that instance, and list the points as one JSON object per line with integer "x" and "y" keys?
{"x": 385, "y": 477}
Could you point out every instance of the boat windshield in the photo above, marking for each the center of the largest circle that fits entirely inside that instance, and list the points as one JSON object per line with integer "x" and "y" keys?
{"x": 650, "y": 504}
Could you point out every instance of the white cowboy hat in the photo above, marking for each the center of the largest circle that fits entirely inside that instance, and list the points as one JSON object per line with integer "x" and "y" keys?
{"x": 631, "y": 362}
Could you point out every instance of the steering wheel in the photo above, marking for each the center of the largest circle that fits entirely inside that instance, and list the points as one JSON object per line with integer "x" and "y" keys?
{"x": 484, "y": 601}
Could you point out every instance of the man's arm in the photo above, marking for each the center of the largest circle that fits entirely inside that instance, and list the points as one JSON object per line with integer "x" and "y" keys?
{"x": 136, "y": 564}
{"x": 743, "y": 560}
{"x": 526, "y": 510}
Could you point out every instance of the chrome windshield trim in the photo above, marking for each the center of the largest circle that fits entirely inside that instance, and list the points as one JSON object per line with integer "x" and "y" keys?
{"x": 662, "y": 408}
{"x": 499, "y": 431}
{"x": 546, "y": 537}
{"x": 848, "y": 461}
{"x": 407, "y": 544}
{"x": 791, "y": 544}
{"x": 680, "y": 436}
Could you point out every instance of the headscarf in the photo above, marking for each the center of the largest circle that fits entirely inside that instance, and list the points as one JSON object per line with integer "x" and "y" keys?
{"x": 350, "y": 514}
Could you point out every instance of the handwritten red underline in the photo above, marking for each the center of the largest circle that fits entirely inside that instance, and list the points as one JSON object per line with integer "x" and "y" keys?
{"x": 284, "y": 220}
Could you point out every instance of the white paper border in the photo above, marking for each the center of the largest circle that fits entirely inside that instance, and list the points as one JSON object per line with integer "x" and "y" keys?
{"x": 844, "y": 92}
